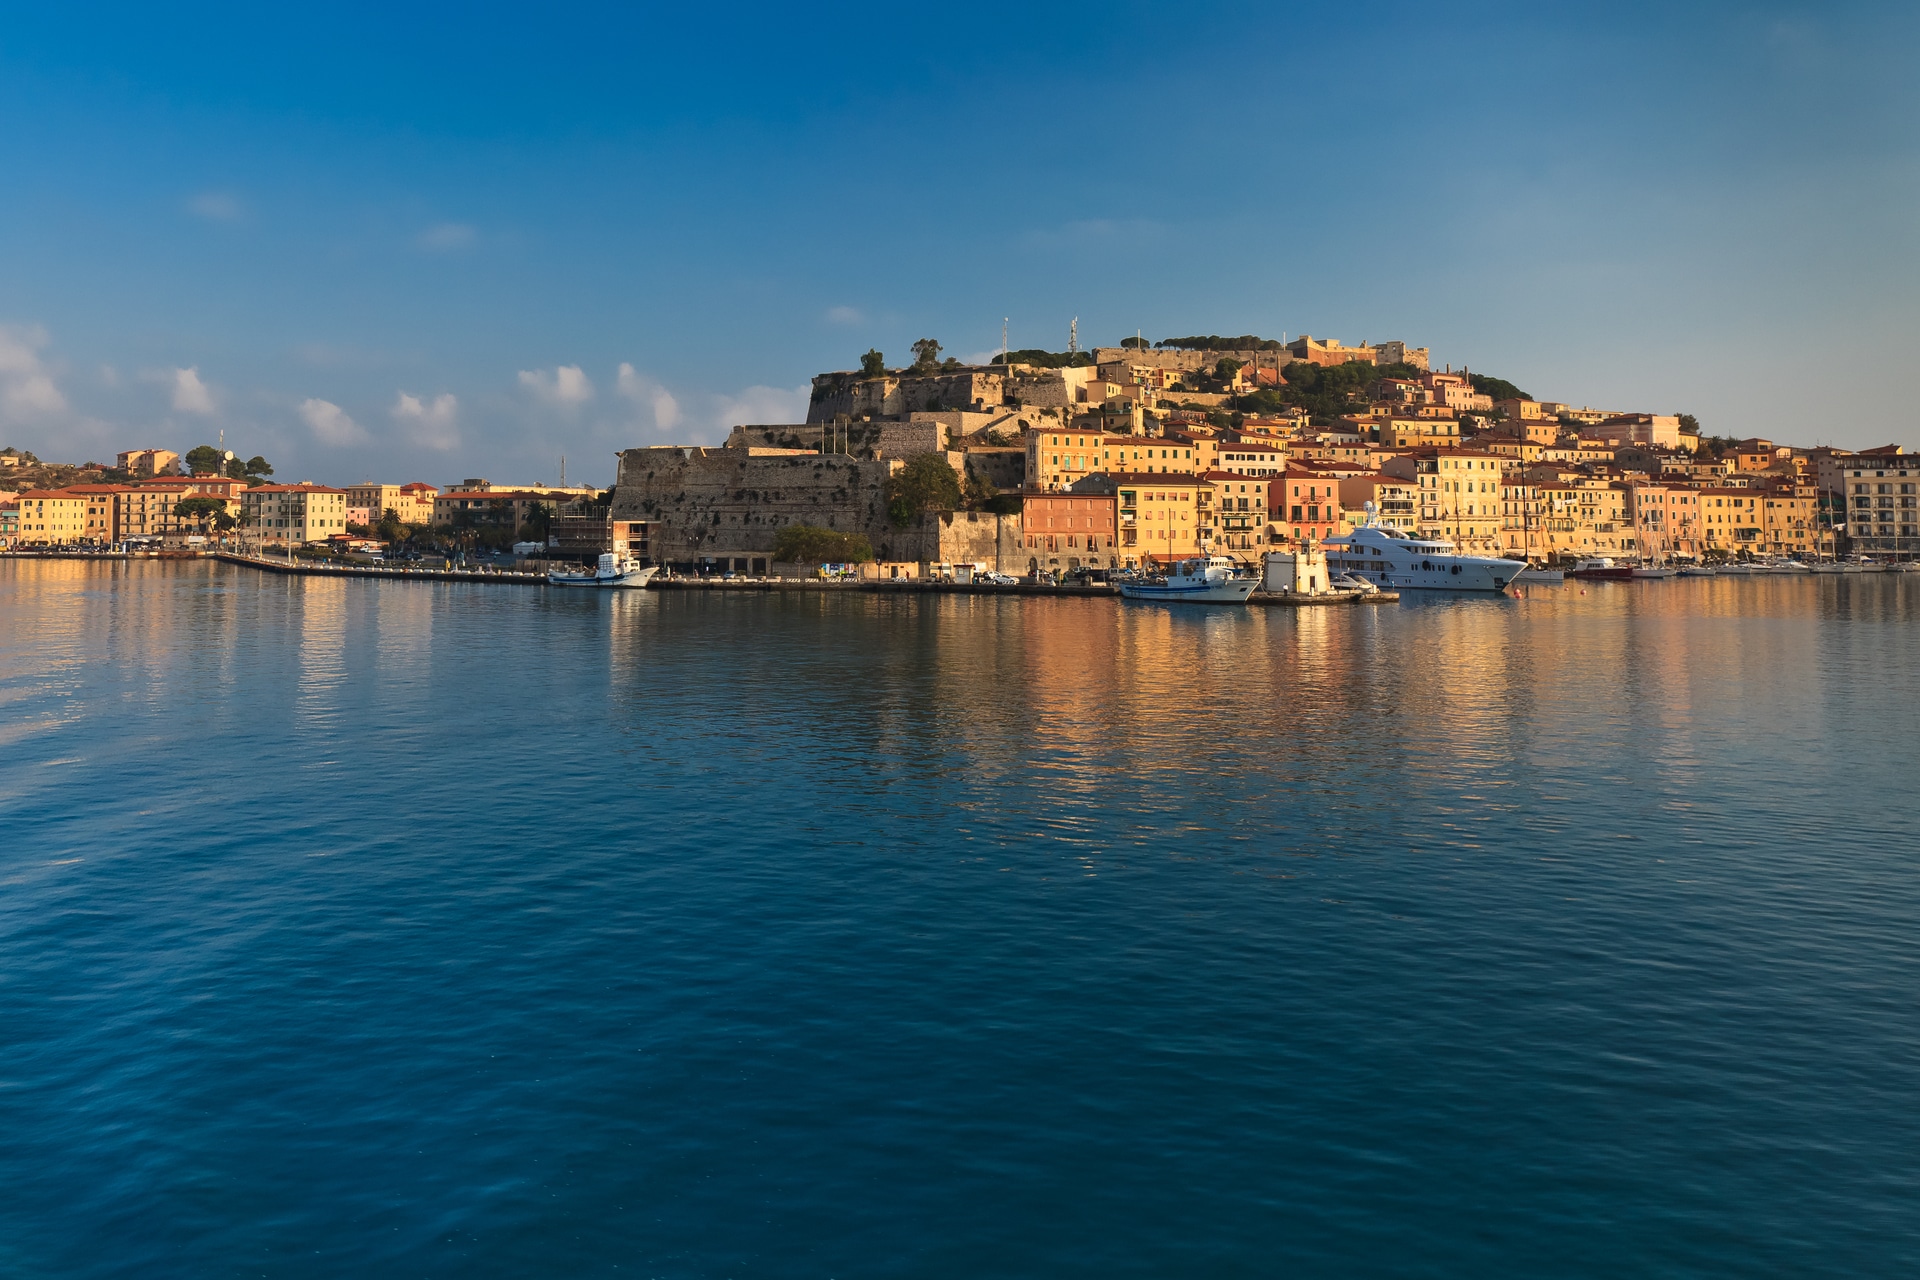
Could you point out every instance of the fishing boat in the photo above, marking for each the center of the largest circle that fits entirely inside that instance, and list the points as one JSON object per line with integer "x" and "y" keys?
{"x": 612, "y": 572}
{"x": 1212, "y": 580}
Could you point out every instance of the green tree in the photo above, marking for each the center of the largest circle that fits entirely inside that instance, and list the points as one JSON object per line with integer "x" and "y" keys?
{"x": 199, "y": 510}
{"x": 203, "y": 460}
{"x": 926, "y": 483}
{"x": 873, "y": 364}
{"x": 538, "y": 524}
{"x": 388, "y": 528}
{"x": 1497, "y": 388}
{"x": 811, "y": 544}
{"x": 1690, "y": 424}
{"x": 926, "y": 355}
{"x": 258, "y": 468}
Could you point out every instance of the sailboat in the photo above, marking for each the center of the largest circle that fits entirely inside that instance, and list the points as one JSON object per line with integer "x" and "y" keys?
{"x": 1653, "y": 567}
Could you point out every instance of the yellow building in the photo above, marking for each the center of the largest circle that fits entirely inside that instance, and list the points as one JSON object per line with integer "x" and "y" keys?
{"x": 1059, "y": 459}
{"x": 1162, "y": 516}
{"x": 1460, "y": 496}
{"x": 1731, "y": 520}
{"x": 54, "y": 517}
{"x": 294, "y": 513}
{"x": 411, "y": 503}
{"x": 1789, "y": 521}
{"x": 1239, "y": 513}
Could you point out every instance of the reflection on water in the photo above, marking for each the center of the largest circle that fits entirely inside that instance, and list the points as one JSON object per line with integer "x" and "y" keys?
{"x": 449, "y": 927}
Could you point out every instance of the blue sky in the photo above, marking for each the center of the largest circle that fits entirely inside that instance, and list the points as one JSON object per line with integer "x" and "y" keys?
{"x": 465, "y": 240}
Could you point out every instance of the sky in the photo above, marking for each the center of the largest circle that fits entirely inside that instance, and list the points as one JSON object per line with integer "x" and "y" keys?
{"x": 438, "y": 241}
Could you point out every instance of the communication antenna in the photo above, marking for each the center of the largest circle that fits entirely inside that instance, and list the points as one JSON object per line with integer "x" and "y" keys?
{"x": 1073, "y": 337}
{"x": 563, "y": 471}
{"x": 1003, "y": 342}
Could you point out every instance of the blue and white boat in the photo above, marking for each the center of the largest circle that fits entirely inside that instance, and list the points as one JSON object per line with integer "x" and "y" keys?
{"x": 1212, "y": 580}
{"x": 612, "y": 572}
{"x": 1404, "y": 561}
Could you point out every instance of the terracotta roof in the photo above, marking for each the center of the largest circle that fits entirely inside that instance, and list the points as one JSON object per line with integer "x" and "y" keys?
{"x": 294, "y": 488}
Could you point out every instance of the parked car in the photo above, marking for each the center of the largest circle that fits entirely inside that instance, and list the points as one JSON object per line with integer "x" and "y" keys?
{"x": 993, "y": 579}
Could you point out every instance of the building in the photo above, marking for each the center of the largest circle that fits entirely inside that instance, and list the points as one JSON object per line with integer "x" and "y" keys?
{"x": 1070, "y": 530}
{"x": 10, "y": 522}
{"x": 1395, "y": 500}
{"x": 504, "y": 508}
{"x": 1330, "y": 351}
{"x": 1460, "y": 496}
{"x": 1058, "y": 459}
{"x": 1790, "y": 521}
{"x": 1240, "y": 513}
{"x": 1881, "y": 501}
{"x": 294, "y": 513}
{"x": 410, "y": 503}
{"x": 1160, "y": 516}
{"x": 54, "y": 517}
{"x": 1305, "y": 505}
{"x": 1252, "y": 458}
{"x": 589, "y": 534}
{"x": 147, "y": 463}
{"x": 147, "y": 509}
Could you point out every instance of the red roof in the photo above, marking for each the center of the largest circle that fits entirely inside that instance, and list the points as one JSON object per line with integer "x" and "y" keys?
{"x": 295, "y": 488}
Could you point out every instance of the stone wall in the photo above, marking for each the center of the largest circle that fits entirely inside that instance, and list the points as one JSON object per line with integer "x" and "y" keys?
{"x": 897, "y": 395}
{"x": 724, "y": 503}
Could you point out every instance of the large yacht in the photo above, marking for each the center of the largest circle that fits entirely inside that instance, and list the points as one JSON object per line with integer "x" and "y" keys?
{"x": 1405, "y": 561}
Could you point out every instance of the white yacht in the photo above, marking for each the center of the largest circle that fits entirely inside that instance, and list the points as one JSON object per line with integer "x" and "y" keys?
{"x": 612, "y": 571}
{"x": 1403, "y": 561}
{"x": 1213, "y": 580}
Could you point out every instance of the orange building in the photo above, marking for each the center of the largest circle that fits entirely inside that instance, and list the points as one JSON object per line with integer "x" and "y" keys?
{"x": 1069, "y": 530}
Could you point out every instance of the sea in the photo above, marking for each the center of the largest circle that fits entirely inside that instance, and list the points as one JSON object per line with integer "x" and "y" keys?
{"x": 373, "y": 928}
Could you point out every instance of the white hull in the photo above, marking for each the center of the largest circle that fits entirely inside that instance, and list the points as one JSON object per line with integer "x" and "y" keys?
{"x": 1401, "y": 562}
{"x": 1654, "y": 571}
{"x": 1232, "y": 591}
{"x": 629, "y": 579}
{"x": 1531, "y": 574}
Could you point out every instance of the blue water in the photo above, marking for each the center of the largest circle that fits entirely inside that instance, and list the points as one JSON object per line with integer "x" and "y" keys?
{"x": 443, "y": 930}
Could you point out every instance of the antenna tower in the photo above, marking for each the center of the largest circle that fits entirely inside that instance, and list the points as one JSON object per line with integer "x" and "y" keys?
{"x": 1073, "y": 337}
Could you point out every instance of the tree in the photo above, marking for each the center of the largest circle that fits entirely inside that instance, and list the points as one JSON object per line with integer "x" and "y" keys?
{"x": 810, "y": 544}
{"x": 389, "y": 528}
{"x": 258, "y": 467}
{"x": 1690, "y": 424}
{"x": 200, "y": 510}
{"x": 1497, "y": 388}
{"x": 538, "y": 524}
{"x": 203, "y": 460}
{"x": 873, "y": 364}
{"x": 926, "y": 483}
{"x": 926, "y": 355}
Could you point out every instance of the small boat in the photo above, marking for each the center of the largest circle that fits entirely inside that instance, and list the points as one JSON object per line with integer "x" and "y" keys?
{"x": 1826, "y": 566}
{"x": 1209, "y": 581}
{"x": 611, "y": 572}
{"x": 1698, "y": 571}
{"x": 1602, "y": 569}
{"x": 1653, "y": 571}
{"x": 1534, "y": 574}
{"x": 1737, "y": 569}
{"x": 1353, "y": 582}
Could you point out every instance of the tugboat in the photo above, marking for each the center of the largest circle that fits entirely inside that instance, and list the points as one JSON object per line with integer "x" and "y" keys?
{"x": 1209, "y": 581}
{"x": 611, "y": 572}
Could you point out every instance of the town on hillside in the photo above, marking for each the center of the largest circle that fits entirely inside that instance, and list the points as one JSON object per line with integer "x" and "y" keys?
{"x": 1050, "y": 463}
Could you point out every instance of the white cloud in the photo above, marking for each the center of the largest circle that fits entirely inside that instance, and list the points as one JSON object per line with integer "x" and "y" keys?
{"x": 567, "y": 385}
{"x": 330, "y": 423}
{"x": 109, "y": 376}
{"x": 641, "y": 389}
{"x": 216, "y": 206}
{"x": 762, "y": 405}
{"x": 27, "y": 387}
{"x": 429, "y": 423}
{"x": 447, "y": 237}
{"x": 844, "y": 315}
{"x": 190, "y": 395}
